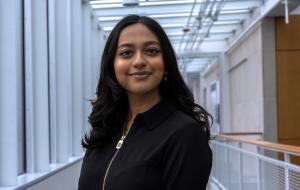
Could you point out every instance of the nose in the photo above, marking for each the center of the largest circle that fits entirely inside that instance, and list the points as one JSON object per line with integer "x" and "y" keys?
{"x": 139, "y": 60}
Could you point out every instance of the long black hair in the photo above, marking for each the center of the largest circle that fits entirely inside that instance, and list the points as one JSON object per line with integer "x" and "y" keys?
{"x": 109, "y": 110}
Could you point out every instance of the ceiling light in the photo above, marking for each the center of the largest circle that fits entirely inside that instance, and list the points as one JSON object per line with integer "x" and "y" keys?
{"x": 185, "y": 29}
{"x": 130, "y": 3}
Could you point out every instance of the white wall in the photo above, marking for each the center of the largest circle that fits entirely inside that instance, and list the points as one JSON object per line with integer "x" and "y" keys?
{"x": 245, "y": 83}
{"x": 252, "y": 83}
{"x": 247, "y": 76}
{"x": 209, "y": 77}
{"x": 193, "y": 82}
{"x": 66, "y": 179}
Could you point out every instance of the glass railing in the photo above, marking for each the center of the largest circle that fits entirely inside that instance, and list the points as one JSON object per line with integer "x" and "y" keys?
{"x": 240, "y": 164}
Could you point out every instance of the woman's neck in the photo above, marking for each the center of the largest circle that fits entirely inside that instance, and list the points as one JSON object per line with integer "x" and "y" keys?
{"x": 141, "y": 103}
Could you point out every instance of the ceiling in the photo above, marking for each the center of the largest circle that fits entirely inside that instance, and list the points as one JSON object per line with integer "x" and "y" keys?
{"x": 198, "y": 29}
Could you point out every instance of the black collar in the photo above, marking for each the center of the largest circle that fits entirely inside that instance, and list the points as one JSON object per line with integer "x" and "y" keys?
{"x": 157, "y": 114}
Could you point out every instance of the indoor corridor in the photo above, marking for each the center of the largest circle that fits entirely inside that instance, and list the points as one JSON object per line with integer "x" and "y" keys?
{"x": 240, "y": 59}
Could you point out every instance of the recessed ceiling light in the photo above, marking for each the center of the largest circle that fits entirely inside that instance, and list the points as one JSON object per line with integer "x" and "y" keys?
{"x": 186, "y": 29}
{"x": 130, "y": 3}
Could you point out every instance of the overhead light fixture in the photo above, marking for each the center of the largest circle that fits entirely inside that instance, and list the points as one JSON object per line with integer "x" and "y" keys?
{"x": 186, "y": 29}
{"x": 130, "y": 3}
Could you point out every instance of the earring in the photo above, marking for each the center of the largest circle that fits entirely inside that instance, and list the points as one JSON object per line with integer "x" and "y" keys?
{"x": 166, "y": 76}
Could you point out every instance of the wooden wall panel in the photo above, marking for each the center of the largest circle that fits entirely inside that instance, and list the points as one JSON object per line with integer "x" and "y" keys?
{"x": 288, "y": 35}
{"x": 288, "y": 82}
{"x": 288, "y": 94}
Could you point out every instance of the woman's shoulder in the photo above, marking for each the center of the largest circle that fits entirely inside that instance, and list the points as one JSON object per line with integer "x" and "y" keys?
{"x": 181, "y": 123}
{"x": 182, "y": 119}
{"x": 185, "y": 134}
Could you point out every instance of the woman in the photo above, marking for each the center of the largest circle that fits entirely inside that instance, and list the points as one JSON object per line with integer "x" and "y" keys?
{"x": 147, "y": 132}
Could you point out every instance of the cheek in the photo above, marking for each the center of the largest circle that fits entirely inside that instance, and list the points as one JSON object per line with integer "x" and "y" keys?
{"x": 161, "y": 68}
{"x": 120, "y": 72}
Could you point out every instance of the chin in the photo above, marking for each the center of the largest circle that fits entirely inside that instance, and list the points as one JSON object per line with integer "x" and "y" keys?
{"x": 140, "y": 92}
{"x": 143, "y": 91}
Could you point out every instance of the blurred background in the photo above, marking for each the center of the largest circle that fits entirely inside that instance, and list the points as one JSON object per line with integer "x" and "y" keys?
{"x": 240, "y": 58}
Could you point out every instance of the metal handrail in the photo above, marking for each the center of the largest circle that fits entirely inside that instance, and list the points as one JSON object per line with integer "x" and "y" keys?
{"x": 283, "y": 148}
{"x": 236, "y": 165}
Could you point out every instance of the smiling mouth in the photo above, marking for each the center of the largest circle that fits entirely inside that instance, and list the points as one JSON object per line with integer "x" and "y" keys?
{"x": 140, "y": 75}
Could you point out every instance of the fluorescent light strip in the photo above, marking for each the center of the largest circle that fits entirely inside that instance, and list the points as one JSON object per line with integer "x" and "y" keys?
{"x": 112, "y": 18}
{"x": 142, "y": 3}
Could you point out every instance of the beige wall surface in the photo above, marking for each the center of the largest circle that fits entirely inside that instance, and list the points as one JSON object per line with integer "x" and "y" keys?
{"x": 245, "y": 81}
{"x": 247, "y": 75}
{"x": 269, "y": 80}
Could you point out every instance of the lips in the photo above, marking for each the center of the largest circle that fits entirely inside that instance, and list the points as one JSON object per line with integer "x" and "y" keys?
{"x": 140, "y": 75}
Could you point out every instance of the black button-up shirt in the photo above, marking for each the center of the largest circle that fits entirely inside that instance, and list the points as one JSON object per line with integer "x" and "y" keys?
{"x": 165, "y": 149}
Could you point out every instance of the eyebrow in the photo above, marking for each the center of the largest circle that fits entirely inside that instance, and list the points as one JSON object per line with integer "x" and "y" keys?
{"x": 146, "y": 44}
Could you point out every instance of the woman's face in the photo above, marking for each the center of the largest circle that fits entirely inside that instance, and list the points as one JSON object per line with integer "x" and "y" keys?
{"x": 138, "y": 62}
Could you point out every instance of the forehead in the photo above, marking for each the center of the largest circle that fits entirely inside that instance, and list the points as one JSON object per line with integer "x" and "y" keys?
{"x": 136, "y": 33}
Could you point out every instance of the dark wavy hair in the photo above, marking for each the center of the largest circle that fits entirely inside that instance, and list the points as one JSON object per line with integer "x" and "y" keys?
{"x": 109, "y": 110}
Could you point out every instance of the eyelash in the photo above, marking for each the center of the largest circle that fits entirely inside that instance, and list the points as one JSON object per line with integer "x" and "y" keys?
{"x": 149, "y": 51}
{"x": 125, "y": 53}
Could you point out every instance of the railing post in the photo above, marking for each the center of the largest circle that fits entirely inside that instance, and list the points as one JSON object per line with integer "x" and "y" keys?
{"x": 241, "y": 187}
{"x": 218, "y": 162}
{"x": 227, "y": 167}
{"x": 286, "y": 170}
{"x": 258, "y": 169}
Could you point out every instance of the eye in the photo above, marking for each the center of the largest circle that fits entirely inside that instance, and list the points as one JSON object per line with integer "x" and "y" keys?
{"x": 126, "y": 53}
{"x": 152, "y": 51}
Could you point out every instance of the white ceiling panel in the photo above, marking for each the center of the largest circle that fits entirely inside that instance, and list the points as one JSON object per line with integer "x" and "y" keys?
{"x": 211, "y": 22}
